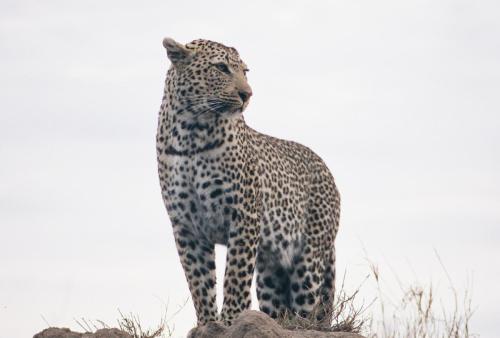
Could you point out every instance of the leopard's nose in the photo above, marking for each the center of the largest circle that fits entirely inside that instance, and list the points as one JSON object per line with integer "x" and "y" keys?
{"x": 244, "y": 95}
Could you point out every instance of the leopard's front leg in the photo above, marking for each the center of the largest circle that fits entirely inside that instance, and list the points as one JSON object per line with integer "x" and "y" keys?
{"x": 244, "y": 234}
{"x": 240, "y": 264}
{"x": 198, "y": 260}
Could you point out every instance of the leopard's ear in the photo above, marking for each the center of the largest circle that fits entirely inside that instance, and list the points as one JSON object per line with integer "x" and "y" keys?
{"x": 177, "y": 52}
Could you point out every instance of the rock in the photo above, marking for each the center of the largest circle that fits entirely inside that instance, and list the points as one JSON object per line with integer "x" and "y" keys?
{"x": 255, "y": 324}
{"x": 54, "y": 332}
{"x": 108, "y": 333}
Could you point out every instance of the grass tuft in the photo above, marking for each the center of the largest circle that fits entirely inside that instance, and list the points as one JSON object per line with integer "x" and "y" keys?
{"x": 345, "y": 315}
{"x": 417, "y": 313}
{"x": 131, "y": 324}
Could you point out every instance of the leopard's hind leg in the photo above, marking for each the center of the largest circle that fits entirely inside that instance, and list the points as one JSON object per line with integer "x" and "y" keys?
{"x": 273, "y": 282}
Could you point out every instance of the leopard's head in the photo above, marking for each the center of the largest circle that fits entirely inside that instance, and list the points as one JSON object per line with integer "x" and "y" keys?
{"x": 207, "y": 78}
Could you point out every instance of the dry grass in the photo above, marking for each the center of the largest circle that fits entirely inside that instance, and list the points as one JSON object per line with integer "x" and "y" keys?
{"x": 418, "y": 313}
{"x": 131, "y": 324}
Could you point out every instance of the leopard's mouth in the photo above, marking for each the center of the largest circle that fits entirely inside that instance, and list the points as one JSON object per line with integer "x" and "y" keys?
{"x": 243, "y": 106}
{"x": 236, "y": 108}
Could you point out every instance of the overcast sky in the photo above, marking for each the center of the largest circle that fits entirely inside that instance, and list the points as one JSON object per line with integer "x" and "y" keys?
{"x": 400, "y": 98}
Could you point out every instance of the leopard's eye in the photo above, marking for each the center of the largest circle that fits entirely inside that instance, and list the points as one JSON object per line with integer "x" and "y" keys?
{"x": 246, "y": 70}
{"x": 223, "y": 68}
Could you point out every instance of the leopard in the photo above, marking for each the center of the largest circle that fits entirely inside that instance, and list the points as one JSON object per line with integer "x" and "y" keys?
{"x": 273, "y": 203}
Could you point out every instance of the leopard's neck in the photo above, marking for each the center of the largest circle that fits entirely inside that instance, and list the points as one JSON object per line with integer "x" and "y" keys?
{"x": 182, "y": 136}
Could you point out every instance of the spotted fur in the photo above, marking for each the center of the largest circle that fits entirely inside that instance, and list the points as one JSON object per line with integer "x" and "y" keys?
{"x": 272, "y": 202}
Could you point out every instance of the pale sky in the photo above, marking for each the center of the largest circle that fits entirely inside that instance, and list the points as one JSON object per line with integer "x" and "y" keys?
{"x": 400, "y": 98}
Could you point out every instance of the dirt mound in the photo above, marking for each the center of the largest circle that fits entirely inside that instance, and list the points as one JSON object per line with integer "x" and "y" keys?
{"x": 55, "y": 332}
{"x": 250, "y": 324}
{"x": 255, "y": 324}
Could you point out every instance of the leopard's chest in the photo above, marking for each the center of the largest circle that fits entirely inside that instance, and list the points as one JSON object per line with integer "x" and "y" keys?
{"x": 202, "y": 191}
